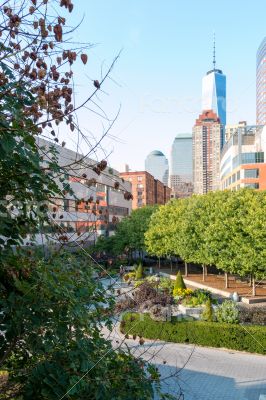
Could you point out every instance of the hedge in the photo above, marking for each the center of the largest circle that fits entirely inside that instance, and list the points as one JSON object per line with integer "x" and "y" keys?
{"x": 213, "y": 334}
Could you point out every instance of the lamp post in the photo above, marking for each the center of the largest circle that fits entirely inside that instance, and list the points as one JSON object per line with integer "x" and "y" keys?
{"x": 157, "y": 280}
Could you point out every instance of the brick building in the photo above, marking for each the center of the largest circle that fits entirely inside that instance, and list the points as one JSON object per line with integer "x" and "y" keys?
{"x": 145, "y": 189}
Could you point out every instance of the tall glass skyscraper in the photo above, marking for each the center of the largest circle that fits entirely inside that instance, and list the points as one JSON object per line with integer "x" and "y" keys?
{"x": 157, "y": 165}
{"x": 214, "y": 91}
{"x": 180, "y": 179}
{"x": 261, "y": 84}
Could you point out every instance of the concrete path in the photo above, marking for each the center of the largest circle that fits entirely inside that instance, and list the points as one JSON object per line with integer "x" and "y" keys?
{"x": 203, "y": 373}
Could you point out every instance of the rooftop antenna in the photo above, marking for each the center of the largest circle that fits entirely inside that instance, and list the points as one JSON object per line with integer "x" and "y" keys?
{"x": 214, "y": 59}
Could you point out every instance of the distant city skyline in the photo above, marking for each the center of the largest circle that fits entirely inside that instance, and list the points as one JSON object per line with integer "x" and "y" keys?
{"x": 157, "y": 79}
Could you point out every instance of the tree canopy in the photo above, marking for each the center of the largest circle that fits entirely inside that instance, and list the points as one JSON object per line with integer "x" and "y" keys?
{"x": 225, "y": 229}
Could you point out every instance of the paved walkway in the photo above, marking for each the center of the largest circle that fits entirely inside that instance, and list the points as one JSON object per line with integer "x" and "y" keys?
{"x": 203, "y": 373}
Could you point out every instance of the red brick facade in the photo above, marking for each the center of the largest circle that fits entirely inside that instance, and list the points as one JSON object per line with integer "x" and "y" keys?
{"x": 145, "y": 189}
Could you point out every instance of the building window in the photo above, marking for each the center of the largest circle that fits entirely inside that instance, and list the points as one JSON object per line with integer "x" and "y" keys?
{"x": 238, "y": 175}
{"x": 140, "y": 186}
{"x": 139, "y": 178}
{"x": 252, "y": 185}
{"x": 251, "y": 173}
{"x": 139, "y": 193}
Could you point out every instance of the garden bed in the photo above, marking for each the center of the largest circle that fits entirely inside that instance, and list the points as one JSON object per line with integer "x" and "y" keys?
{"x": 211, "y": 334}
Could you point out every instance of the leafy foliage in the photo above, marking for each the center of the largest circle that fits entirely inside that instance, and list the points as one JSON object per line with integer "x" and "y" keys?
{"x": 52, "y": 308}
{"x": 51, "y": 340}
{"x": 225, "y": 229}
{"x": 130, "y": 231}
{"x": 227, "y": 312}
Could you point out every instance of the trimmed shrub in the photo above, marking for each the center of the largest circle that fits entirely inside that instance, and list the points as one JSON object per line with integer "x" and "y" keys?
{"x": 139, "y": 272}
{"x": 227, "y": 312}
{"x": 208, "y": 314}
{"x": 179, "y": 283}
{"x": 212, "y": 334}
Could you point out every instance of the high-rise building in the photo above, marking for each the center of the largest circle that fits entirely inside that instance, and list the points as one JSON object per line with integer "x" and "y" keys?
{"x": 261, "y": 84}
{"x": 243, "y": 159}
{"x": 157, "y": 165}
{"x": 180, "y": 177}
{"x": 214, "y": 91}
{"x": 208, "y": 135}
{"x": 145, "y": 189}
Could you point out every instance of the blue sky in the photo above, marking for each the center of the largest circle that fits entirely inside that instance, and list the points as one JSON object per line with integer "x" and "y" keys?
{"x": 166, "y": 50}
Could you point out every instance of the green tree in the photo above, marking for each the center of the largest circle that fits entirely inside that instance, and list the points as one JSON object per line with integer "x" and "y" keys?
{"x": 51, "y": 309}
{"x": 131, "y": 230}
{"x": 161, "y": 231}
{"x": 237, "y": 236}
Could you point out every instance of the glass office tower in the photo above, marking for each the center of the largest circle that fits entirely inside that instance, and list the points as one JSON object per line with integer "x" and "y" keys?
{"x": 157, "y": 165}
{"x": 180, "y": 179}
{"x": 214, "y": 93}
{"x": 261, "y": 84}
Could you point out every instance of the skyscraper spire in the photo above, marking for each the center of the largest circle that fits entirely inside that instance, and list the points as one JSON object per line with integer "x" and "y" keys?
{"x": 214, "y": 59}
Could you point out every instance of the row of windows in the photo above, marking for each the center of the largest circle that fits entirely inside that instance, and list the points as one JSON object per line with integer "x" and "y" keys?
{"x": 248, "y": 174}
{"x": 72, "y": 206}
{"x": 248, "y": 158}
{"x": 252, "y": 185}
{"x": 251, "y": 173}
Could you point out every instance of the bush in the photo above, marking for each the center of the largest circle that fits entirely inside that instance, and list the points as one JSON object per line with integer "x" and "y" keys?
{"x": 208, "y": 314}
{"x": 252, "y": 315}
{"x": 166, "y": 284}
{"x": 179, "y": 283}
{"x": 146, "y": 292}
{"x": 202, "y": 295}
{"x": 129, "y": 276}
{"x": 139, "y": 272}
{"x": 227, "y": 312}
{"x": 213, "y": 334}
{"x": 199, "y": 297}
{"x": 54, "y": 335}
{"x": 181, "y": 293}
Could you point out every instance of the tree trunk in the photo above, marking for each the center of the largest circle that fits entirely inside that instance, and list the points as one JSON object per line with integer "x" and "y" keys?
{"x": 171, "y": 264}
{"x": 250, "y": 280}
{"x": 203, "y": 273}
{"x": 159, "y": 262}
{"x": 186, "y": 272}
{"x": 253, "y": 286}
{"x": 206, "y": 270}
{"x": 226, "y": 280}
